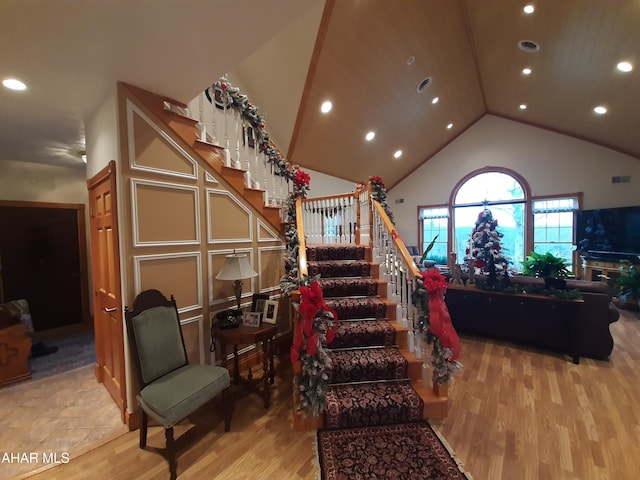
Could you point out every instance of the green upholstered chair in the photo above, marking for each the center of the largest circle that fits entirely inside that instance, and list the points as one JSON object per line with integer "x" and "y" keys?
{"x": 170, "y": 388}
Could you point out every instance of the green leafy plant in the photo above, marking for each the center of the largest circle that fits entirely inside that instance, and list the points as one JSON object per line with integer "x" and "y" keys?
{"x": 627, "y": 285}
{"x": 545, "y": 265}
{"x": 428, "y": 249}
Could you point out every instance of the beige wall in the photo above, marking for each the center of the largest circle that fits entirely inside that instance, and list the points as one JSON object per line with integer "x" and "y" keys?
{"x": 551, "y": 163}
{"x": 177, "y": 225}
{"x": 35, "y": 182}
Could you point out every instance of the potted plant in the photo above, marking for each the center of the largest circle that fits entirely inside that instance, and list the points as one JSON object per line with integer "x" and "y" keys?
{"x": 552, "y": 269}
{"x": 627, "y": 285}
{"x": 423, "y": 259}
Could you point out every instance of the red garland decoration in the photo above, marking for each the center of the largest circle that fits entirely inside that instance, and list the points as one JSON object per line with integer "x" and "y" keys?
{"x": 439, "y": 317}
{"x": 301, "y": 178}
{"x": 312, "y": 301}
{"x": 394, "y": 234}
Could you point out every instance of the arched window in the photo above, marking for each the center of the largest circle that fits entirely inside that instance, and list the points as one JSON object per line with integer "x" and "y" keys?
{"x": 502, "y": 193}
{"x": 543, "y": 224}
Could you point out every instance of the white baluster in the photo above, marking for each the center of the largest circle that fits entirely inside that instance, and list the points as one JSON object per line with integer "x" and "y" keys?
{"x": 227, "y": 152}
{"x": 265, "y": 163}
{"x": 256, "y": 182}
{"x": 202, "y": 129}
{"x": 411, "y": 341}
{"x": 236, "y": 163}
{"x": 214, "y": 127}
{"x": 247, "y": 173}
{"x": 317, "y": 221}
{"x": 274, "y": 202}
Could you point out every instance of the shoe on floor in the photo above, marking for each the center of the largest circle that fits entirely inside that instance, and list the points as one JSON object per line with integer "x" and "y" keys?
{"x": 39, "y": 349}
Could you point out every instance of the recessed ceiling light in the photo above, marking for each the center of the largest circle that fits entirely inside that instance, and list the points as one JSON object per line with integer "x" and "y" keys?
{"x": 624, "y": 67}
{"x": 370, "y": 136}
{"x": 14, "y": 84}
{"x": 600, "y": 110}
{"x": 397, "y": 154}
{"x": 435, "y": 100}
{"x": 526, "y": 71}
{"x": 523, "y": 106}
{"x": 528, "y": 9}
{"x": 450, "y": 126}
{"x": 326, "y": 107}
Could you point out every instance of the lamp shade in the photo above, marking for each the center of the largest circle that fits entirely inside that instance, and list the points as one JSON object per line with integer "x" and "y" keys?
{"x": 236, "y": 267}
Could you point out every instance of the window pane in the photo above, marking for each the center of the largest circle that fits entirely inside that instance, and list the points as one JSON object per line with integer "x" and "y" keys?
{"x": 430, "y": 228}
{"x": 510, "y": 219}
{"x": 553, "y": 230}
{"x": 490, "y": 187}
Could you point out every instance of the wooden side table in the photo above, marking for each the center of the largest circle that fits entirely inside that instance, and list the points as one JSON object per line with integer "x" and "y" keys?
{"x": 244, "y": 335}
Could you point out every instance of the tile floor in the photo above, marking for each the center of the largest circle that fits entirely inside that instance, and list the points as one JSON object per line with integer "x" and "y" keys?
{"x": 66, "y": 413}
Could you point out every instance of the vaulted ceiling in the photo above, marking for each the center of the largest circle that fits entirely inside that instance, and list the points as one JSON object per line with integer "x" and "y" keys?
{"x": 368, "y": 57}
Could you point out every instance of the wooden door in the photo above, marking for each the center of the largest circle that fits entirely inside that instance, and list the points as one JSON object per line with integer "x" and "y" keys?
{"x": 107, "y": 302}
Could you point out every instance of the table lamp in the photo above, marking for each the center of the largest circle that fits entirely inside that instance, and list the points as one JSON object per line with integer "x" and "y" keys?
{"x": 236, "y": 267}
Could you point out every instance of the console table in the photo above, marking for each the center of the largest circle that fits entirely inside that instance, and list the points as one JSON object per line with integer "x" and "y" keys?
{"x": 534, "y": 320}
{"x": 245, "y": 335}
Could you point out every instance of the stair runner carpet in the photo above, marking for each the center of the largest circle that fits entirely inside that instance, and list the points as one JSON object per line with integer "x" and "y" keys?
{"x": 368, "y": 377}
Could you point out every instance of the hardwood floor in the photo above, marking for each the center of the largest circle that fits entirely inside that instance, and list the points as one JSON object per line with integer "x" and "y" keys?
{"x": 516, "y": 413}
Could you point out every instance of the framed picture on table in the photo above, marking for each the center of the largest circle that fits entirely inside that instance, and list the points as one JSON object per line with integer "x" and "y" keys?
{"x": 251, "y": 319}
{"x": 270, "y": 312}
{"x": 257, "y": 302}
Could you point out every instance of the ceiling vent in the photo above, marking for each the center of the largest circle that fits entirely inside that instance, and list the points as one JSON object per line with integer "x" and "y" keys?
{"x": 528, "y": 46}
{"x": 424, "y": 84}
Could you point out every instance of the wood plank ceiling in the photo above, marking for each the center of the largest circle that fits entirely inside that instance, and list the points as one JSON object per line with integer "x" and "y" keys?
{"x": 371, "y": 56}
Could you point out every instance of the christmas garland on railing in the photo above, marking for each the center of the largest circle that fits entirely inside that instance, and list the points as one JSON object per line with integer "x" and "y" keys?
{"x": 291, "y": 279}
{"x": 379, "y": 193}
{"x": 317, "y": 327}
{"x": 232, "y": 98}
{"x": 435, "y": 324}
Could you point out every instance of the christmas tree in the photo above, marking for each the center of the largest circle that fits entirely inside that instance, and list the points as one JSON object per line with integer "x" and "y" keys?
{"x": 485, "y": 246}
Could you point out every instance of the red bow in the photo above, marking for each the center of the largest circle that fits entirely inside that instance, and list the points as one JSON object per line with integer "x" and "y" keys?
{"x": 312, "y": 302}
{"x": 439, "y": 317}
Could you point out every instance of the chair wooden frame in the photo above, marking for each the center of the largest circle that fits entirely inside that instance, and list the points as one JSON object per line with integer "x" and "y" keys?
{"x": 144, "y": 301}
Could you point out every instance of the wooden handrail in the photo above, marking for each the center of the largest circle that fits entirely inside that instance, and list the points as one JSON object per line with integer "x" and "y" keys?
{"x": 329, "y": 197}
{"x": 302, "y": 249}
{"x": 402, "y": 248}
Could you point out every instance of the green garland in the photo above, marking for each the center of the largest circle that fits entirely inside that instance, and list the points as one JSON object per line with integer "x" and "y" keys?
{"x": 311, "y": 384}
{"x": 379, "y": 193}
{"x": 239, "y": 102}
{"x": 441, "y": 362}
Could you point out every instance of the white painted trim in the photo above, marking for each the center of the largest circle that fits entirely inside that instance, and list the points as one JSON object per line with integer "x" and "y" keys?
{"x": 200, "y": 320}
{"x": 168, "y": 186}
{"x": 210, "y": 178}
{"x": 275, "y": 237}
{"x": 244, "y": 294}
{"x": 138, "y": 259}
{"x": 212, "y": 241}
{"x": 131, "y": 108}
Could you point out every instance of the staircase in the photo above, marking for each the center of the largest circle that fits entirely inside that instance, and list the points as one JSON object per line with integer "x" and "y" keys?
{"x": 374, "y": 379}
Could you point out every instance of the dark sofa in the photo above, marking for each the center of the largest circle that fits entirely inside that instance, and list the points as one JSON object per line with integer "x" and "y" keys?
{"x": 577, "y": 328}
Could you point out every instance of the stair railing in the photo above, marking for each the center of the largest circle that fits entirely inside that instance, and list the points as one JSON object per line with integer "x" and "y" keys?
{"x": 331, "y": 219}
{"x": 245, "y": 143}
{"x": 400, "y": 271}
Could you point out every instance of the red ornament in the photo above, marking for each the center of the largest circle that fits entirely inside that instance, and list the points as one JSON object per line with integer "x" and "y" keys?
{"x": 223, "y": 85}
